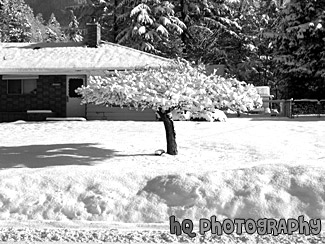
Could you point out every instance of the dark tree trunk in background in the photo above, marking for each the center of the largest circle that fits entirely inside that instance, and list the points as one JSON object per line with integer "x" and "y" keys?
{"x": 184, "y": 34}
{"x": 115, "y": 25}
{"x": 170, "y": 132}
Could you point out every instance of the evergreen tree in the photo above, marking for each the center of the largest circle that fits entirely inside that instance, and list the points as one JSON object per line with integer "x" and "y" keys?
{"x": 104, "y": 11}
{"x": 150, "y": 26}
{"x": 18, "y": 24}
{"x": 53, "y": 30}
{"x": 300, "y": 49}
{"x": 213, "y": 30}
{"x": 73, "y": 32}
{"x": 258, "y": 20}
{"x": 15, "y": 21}
{"x": 147, "y": 25}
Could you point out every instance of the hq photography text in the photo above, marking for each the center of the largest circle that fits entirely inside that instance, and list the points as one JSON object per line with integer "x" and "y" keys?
{"x": 239, "y": 226}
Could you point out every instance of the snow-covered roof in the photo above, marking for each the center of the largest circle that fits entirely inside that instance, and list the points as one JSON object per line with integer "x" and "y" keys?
{"x": 66, "y": 58}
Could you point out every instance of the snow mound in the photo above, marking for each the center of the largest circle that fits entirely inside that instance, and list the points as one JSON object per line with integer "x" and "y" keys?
{"x": 19, "y": 122}
{"x": 46, "y": 173}
{"x": 276, "y": 191}
{"x": 175, "y": 190}
{"x": 259, "y": 192}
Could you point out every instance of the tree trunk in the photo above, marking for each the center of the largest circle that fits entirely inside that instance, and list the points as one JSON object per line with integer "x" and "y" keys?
{"x": 170, "y": 133}
{"x": 183, "y": 34}
{"x": 115, "y": 25}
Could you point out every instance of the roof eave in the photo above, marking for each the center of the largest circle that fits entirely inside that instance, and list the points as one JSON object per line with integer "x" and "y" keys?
{"x": 78, "y": 70}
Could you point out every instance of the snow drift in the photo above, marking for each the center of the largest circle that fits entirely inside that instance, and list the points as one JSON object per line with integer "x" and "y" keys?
{"x": 107, "y": 171}
{"x": 258, "y": 192}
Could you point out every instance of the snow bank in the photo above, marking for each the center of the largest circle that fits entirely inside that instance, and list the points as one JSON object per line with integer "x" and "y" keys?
{"x": 107, "y": 171}
{"x": 258, "y": 192}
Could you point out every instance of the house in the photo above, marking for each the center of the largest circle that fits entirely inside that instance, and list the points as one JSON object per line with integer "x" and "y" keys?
{"x": 38, "y": 80}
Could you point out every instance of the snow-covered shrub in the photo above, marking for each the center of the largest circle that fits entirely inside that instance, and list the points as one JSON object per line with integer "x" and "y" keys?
{"x": 216, "y": 115}
{"x": 181, "y": 115}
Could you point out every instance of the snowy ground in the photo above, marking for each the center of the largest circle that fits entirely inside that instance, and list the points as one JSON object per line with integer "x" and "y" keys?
{"x": 100, "y": 170}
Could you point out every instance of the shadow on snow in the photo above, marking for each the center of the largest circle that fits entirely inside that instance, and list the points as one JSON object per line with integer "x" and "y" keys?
{"x": 39, "y": 156}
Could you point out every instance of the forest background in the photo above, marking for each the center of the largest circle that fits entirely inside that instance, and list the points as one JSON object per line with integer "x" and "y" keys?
{"x": 276, "y": 43}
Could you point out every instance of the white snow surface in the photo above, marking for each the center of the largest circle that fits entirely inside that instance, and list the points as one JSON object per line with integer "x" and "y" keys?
{"x": 107, "y": 170}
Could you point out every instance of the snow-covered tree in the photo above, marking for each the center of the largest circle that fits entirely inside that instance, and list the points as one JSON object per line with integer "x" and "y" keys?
{"x": 147, "y": 24}
{"x": 180, "y": 87}
{"x": 150, "y": 26}
{"x": 15, "y": 21}
{"x": 53, "y": 30}
{"x": 73, "y": 32}
{"x": 300, "y": 50}
{"x": 213, "y": 31}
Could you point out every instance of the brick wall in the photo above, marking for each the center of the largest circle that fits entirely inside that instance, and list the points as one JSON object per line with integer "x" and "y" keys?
{"x": 93, "y": 34}
{"x": 50, "y": 95}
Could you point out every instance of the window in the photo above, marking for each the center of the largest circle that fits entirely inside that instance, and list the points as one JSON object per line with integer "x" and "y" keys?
{"x": 74, "y": 83}
{"x": 21, "y": 86}
{"x": 14, "y": 87}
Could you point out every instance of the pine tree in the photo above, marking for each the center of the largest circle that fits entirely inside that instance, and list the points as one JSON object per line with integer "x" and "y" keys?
{"x": 53, "y": 30}
{"x": 147, "y": 25}
{"x": 18, "y": 23}
{"x": 300, "y": 49}
{"x": 73, "y": 32}
{"x": 15, "y": 23}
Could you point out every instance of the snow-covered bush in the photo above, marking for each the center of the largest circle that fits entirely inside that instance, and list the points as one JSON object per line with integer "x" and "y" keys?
{"x": 181, "y": 115}
{"x": 179, "y": 86}
{"x": 216, "y": 115}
